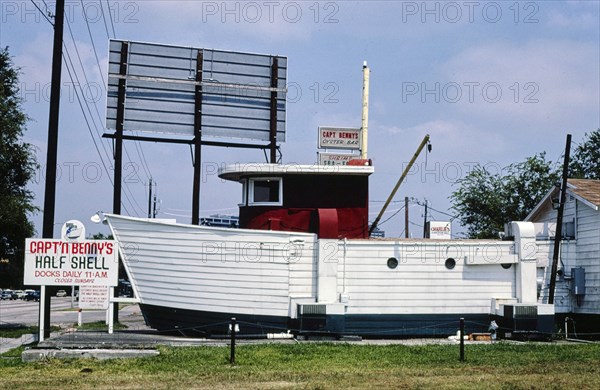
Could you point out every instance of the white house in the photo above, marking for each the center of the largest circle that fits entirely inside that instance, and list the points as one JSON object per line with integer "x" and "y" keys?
{"x": 577, "y": 294}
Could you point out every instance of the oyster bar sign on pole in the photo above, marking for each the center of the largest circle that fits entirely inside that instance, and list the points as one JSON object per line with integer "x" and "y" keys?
{"x": 339, "y": 138}
{"x": 71, "y": 260}
{"x": 347, "y": 138}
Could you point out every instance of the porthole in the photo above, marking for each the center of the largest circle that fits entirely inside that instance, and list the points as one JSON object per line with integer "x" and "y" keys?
{"x": 392, "y": 263}
{"x": 450, "y": 263}
{"x": 506, "y": 266}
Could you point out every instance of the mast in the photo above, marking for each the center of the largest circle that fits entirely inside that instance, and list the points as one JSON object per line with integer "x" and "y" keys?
{"x": 365, "y": 112}
{"x": 406, "y": 170}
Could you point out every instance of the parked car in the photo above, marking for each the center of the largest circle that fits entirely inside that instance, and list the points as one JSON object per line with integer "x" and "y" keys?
{"x": 8, "y": 295}
{"x": 20, "y": 294}
{"x": 32, "y": 295}
{"x": 61, "y": 293}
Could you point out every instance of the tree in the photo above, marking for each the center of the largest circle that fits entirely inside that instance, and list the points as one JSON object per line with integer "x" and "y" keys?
{"x": 17, "y": 167}
{"x": 484, "y": 202}
{"x": 585, "y": 163}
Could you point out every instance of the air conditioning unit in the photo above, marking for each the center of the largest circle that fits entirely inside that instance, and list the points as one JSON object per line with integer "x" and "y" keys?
{"x": 312, "y": 317}
{"x": 520, "y": 320}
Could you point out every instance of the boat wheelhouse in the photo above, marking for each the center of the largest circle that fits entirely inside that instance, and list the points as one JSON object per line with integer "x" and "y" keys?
{"x": 330, "y": 201}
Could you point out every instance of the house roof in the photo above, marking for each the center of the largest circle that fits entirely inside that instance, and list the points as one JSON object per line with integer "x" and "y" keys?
{"x": 584, "y": 190}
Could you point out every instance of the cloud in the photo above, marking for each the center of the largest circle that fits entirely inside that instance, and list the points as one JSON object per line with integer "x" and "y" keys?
{"x": 578, "y": 21}
{"x": 262, "y": 21}
{"x": 450, "y": 139}
{"x": 539, "y": 80}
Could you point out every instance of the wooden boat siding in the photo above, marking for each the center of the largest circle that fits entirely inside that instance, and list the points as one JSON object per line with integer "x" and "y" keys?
{"x": 220, "y": 270}
{"x": 267, "y": 273}
{"x": 421, "y": 283}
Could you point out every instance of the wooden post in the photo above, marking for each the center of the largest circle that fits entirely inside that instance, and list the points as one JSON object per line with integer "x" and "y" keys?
{"x": 273, "y": 115}
{"x": 51, "y": 157}
{"x": 559, "y": 219}
{"x": 197, "y": 140}
{"x": 406, "y": 222}
{"x": 425, "y": 221}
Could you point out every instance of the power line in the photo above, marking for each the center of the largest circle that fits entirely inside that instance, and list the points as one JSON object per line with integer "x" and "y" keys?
{"x": 93, "y": 45}
{"x": 104, "y": 19}
{"x": 392, "y": 216}
{"x": 73, "y": 75}
{"x": 88, "y": 83}
{"x": 111, "y": 19}
{"x": 42, "y": 12}
{"x": 79, "y": 94}
{"x": 132, "y": 203}
{"x": 444, "y": 213}
{"x": 142, "y": 156}
{"x": 86, "y": 119}
{"x": 143, "y": 161}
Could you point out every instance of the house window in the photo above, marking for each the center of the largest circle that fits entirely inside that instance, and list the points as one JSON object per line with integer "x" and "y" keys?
{"x": 265, "y": 191}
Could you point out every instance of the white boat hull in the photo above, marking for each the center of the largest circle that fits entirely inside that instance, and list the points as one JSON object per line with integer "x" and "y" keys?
{"x": 193, "y": 279}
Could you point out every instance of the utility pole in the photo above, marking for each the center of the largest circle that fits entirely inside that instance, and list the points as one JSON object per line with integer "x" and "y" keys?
{"x": 425, "y": 221}
{"x": 559, "y": 218}
{"x": 154, "y": 210}
{"x": 406, "y": 234}
{"x": 51, "y": 156}
{"x": 150, "y": 198}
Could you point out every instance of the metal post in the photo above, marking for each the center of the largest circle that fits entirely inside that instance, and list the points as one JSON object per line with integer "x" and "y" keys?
{"x": 197, "y": 140}
{"x": 51, "y": 155}
{"x": 232, "y": 349}
{"x": 273, "y": 117}
{"x": 462, "y": 339}
{"x": 43, "y": 326}
{"x": 111, "y": 315}
{"x": 559, "y": 219}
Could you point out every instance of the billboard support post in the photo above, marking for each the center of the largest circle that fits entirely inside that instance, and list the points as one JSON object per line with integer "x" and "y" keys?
{"x": 197, "y": 140}
{"x": 273, "y": 116}
{"x": 118, "y": 171}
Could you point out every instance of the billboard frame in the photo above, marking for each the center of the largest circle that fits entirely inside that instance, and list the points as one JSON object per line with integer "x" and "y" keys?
{"x": 196, "y": 141}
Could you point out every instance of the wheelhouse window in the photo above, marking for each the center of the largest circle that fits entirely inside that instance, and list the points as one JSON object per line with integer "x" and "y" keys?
{"x": 265, "y": 191}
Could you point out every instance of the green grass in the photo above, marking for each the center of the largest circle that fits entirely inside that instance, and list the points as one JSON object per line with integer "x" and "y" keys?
{"x": 14, "y": 332}
{"x": 99, "y": 325}
{"x": 323, "y": 366}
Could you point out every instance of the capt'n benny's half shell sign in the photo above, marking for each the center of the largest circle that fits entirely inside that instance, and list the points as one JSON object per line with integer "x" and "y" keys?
{"x": 79, "y": 262}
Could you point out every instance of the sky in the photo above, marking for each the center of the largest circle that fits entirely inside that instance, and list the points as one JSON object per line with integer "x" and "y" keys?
{"x": 492, "y": 83}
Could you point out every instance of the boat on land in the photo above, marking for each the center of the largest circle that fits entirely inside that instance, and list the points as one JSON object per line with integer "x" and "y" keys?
{"x": 301, "y": 258}
{"x": 302, "y": 262}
